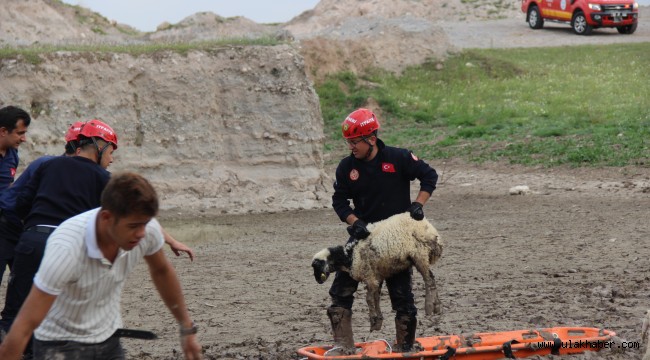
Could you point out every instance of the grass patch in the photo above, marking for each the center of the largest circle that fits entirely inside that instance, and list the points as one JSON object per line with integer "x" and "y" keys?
{"x": 33, "y": 53}
{"x": 580, "y": 105}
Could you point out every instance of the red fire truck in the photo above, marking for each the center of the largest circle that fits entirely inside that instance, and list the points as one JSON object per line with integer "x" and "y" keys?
{"x": 583, "y": 15}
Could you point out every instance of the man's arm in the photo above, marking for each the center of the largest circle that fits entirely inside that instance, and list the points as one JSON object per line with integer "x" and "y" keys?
{"x": 177, "y": 246}
{"x": 31, "y": 314}
{"x": 423, "y": 197}
{"x": 25, "y": 197}
{"x": 166, "y": 281}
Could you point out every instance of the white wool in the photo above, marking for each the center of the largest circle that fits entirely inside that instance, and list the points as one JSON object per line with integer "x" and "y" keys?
{"x": 519, "y": 190}
{"x": 392, "y": 242}
{"x": 394, "y": 245}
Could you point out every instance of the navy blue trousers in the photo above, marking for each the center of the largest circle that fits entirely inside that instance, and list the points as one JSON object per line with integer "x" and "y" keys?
{"x": 28, "y": 254}
{"x": 9, "y": 234}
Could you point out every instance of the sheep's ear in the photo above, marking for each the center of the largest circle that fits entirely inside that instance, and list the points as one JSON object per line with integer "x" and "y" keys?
{"x": 337, "y": 257}
{"x": 322, "y": 255}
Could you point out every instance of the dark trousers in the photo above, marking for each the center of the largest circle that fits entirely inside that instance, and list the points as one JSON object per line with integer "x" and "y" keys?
{"x": 110, "y": 349}
{"x": 9, "y": 234}
{"x": 399, "y": 288}
{"x": 28, "y": 254}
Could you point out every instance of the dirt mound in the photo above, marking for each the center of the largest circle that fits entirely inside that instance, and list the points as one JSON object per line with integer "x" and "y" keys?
{"x": 333, "y": 14}
{"x": 392, "y": 35}
{"x": 391, "y": 44}
{"x": 209, "y": 26}
{"x": 26, "y": 22}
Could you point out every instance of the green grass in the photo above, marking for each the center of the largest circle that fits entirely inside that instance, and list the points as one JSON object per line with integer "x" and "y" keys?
{"x": 34, "y": 53}
{"x": 581, "y": 106}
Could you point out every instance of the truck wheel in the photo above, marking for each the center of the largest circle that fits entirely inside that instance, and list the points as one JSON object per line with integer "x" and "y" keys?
{"x": 580, "y": 25}
{"x": 535, "y": 20}
{"x": 627, "y": 29}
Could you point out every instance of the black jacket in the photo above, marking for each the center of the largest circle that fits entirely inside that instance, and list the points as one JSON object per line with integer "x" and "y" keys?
{"x": 381, "y": 187}
{"x": 59, "y": 189}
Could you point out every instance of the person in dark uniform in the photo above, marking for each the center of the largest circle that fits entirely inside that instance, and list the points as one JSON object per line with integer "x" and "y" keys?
{"x": 59, "y": 189}
{"x": 11, "y": 225}
{"x": 14, "y": 122}
{"x": 377, "y": 178}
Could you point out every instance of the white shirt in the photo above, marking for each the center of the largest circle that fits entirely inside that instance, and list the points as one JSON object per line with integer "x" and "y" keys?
{"x": 88, "y": 287}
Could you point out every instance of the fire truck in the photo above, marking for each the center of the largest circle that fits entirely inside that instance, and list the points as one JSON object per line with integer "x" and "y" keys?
{"x": 583, "y": 15}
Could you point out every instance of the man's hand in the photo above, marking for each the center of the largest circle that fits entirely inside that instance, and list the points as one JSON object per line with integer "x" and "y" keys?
{"x": 358, "y": 230}
{"x": 178, "y": 247}
{"x": 191, "y": 347}
{"x": 416, "y": 211}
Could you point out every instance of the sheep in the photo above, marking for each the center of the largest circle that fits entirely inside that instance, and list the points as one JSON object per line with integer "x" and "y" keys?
{"x": 394, "y": 245}
{"x": 645, "y": 334}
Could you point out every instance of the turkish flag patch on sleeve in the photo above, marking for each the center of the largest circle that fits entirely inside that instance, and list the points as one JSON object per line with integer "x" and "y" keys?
{"x": 387, "y": 167}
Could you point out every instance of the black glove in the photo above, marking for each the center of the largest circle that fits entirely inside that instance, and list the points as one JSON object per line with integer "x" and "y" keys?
{"x": 358, "y": 230}
{"x": 416, "y": 211}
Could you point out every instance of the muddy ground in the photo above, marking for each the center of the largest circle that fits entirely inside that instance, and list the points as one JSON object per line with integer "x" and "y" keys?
{"x": 573, "y": 252}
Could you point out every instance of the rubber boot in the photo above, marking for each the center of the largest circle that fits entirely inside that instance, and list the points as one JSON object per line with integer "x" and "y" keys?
{"x": 341, "y": 319}
{"x": 405, "y": 332}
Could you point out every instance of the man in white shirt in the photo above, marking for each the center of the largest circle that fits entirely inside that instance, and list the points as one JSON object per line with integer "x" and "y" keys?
{"x": 76, "y": 294}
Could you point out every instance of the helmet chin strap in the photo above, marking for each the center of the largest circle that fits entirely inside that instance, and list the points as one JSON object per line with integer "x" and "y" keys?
{"x": 370, "y": 148}
{"x": 100, "y": 152}
{"x": 368, "y": 153}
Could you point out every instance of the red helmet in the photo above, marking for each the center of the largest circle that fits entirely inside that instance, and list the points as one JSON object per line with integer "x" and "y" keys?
{"x": 361, "y": 122}
{"x": 73, "y": 131}
{"x": 97, "y": 128}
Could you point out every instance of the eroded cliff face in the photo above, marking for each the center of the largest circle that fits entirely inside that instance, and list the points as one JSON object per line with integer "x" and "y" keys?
{"x": 236, "y": 129}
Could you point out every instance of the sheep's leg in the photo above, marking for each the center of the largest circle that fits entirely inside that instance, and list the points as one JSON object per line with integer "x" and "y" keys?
{"x": 432, "y": 303}
{"x": 372, "y": 298}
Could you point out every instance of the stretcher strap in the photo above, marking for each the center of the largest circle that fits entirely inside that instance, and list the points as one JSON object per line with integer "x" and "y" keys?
{"x": 450, "y": 352}
{"x": 557, "y": 344}
{"x": 507, "y": 349}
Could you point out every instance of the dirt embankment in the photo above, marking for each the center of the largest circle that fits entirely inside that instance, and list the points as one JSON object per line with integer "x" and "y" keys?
{"x": 237, "y": 129}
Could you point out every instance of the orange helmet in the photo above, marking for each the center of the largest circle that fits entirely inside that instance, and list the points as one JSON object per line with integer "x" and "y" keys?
{"x": 360, "y": 122}
{"x": 73, "y": 131}
{"x": 97, "y": 128}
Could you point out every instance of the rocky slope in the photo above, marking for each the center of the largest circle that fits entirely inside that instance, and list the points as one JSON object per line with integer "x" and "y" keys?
{"x": 237, "y": 129}
{"x": 28, "y": 22}
{"x": 207, "y": 26}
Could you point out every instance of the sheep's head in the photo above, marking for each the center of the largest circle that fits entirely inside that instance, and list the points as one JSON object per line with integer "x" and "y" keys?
{"x": 330, "y": 260}
{"x": 321, "y": 266}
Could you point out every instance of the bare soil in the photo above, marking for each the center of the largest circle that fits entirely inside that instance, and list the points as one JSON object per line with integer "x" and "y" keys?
{"x": 573, "y": 252}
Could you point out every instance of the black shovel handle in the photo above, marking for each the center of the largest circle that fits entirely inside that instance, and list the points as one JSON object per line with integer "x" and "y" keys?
{"x": 135, "y": 334}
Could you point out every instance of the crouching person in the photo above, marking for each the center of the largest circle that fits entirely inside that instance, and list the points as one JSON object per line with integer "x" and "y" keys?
{"x": 74, "y": 304}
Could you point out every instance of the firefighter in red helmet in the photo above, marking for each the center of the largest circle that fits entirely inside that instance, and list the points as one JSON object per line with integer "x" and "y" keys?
{"x": 377, "y": 178}
{"x": 103, "y": 140}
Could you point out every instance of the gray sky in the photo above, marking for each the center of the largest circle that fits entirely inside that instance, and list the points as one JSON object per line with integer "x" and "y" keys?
{"x": 146, "y": 15}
